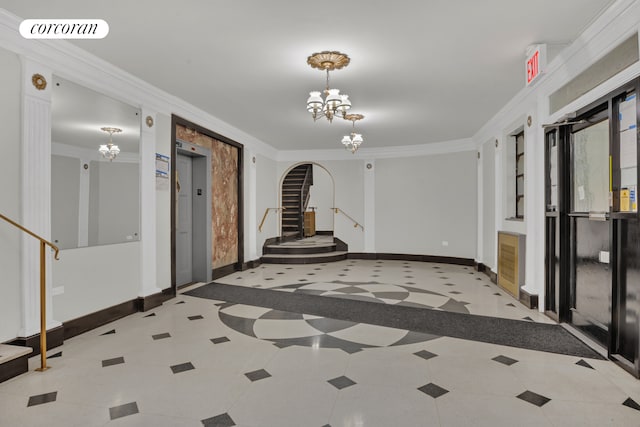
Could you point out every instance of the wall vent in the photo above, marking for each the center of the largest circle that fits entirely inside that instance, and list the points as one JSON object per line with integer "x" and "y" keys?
{"x": 511, "y": 257}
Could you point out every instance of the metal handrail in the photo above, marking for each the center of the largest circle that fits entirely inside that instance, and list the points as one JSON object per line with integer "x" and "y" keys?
{"x": 355, "y": 223}
{"x": 266, "y": 212}
{"x": 43, "y": 301}
{"x": 304, "y": 201}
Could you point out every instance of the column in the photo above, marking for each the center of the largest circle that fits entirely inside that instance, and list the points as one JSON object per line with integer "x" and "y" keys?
{"x": 36, "y": 192}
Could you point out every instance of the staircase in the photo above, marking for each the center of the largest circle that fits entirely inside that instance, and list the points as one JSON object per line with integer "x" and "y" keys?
{"x": 311, "y": 250}
{"x": 295, "y": 197}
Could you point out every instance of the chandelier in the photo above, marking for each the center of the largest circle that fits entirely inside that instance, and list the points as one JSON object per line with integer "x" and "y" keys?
{"x": 334, "y": 103}
{"x": 109, "y": 151}
{"x": 352, "y": 141}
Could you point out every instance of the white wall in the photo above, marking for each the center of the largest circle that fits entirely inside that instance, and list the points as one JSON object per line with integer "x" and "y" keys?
{"x": 10, "y": 311}
{"x": 95, "y": 278}
{"x": 488, "y": 159}
{"x": 266, "y": 197}
{"x": 423, "y": 202}
{"x": 321, "y": 197}
{"x": 163, "y": 207}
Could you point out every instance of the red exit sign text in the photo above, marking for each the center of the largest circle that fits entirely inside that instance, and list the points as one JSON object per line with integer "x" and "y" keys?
{"x": 535, "y": 63}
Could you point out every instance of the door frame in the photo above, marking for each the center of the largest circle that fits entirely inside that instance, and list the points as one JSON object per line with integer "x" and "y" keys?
{"x": 609, "y": 104}
{"x": 239, "y": 265}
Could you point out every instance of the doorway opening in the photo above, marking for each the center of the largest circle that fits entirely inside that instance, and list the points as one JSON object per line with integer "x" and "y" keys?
{"x": 308, "y": 204}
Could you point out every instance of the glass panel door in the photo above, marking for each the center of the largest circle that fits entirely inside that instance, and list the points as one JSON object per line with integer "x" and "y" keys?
{"x": 590, "y": 235}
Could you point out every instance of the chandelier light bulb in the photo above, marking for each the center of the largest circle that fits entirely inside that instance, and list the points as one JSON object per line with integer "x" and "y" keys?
{"x": 110, "y": 150}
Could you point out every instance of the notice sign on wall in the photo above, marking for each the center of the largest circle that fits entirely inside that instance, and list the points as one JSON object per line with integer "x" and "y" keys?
{"x": 162, "y": 172}
{"x": 536, "y": 62}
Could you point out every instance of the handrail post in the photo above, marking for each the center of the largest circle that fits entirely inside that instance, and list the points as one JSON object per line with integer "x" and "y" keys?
{"x": 43, "y": 311}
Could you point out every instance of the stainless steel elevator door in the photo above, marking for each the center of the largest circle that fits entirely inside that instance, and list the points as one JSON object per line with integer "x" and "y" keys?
{"x": 184, "y": 237}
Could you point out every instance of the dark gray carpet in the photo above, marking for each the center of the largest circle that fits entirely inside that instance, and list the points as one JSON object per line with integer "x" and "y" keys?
{"x": 494, "y": 330}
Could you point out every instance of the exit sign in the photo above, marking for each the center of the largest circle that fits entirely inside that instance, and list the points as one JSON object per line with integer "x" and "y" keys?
{"x": 536, "y": 62}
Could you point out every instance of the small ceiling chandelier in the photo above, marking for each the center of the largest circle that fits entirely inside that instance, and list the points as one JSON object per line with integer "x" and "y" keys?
{"x": 352, "y": 142}
{"x": 109, "y": 151}
{"x": 334, "y": 103}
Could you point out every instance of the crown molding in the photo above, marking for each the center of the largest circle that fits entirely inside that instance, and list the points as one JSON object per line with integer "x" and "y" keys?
{"x": 71, "y": 62}
{"x": 365, "y": 153}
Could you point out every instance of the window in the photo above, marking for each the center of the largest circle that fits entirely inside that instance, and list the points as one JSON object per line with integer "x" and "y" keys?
{"x": 519, "y": 162}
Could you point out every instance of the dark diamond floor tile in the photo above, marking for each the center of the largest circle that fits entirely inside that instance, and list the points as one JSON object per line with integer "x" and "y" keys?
{"x": 222, "y": 420}
{"x": 631, "y": 404}
{"x": 180, "y": 302}
{"x": 533, "y": 398}
{"x": 54, "y": 356}
{"x": 444, "y": 277}
{"x": 455, "y": 292}
{"x": 449, "y": 284}
{"x": 426, "y": 355}
{"x": 582, "y": 363}
{"x": 280, "y": 272}
{"x": 114, "y": 361}
{"x": 150, "y": 315}
{"x": 161, "y": 336}
{"x": 505, "y": 360}
{"x": 487, "y": 286}
{"x": 510, "y": 305}
{"x": 111, "y": 332}
{"x": 269, "y": 278}
{"x": 341, "y": 382}
{"x": 123, "y": 410}
{"x": 433, "y": 390}
{"x": 409, "y": 283}
{"x": 220, "y": 340}
{"x": 260, "y": 374}
{"x": 527, "y": 318}
{"x": 198, "y": 317}
{"x": 183, "y": 367}
{"x": 42, "y": 398}
{"x": 498, "y": 294}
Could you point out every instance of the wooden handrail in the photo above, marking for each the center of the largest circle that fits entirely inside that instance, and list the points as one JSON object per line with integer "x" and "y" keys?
{"x": 43, "y": 290}
{"x": 264, "y": 217}
{"x": 355, "y": 223}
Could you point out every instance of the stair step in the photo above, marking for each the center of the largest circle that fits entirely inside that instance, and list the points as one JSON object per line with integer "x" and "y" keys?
{"x": 299, "y": 250}
{"x": 13, "y": 361}
{"x": 304, "y": 259}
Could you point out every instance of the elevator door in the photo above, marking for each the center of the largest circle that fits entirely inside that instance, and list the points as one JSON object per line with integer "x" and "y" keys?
{"x": 184, "y": 233}
{"x": 590, "y": 230}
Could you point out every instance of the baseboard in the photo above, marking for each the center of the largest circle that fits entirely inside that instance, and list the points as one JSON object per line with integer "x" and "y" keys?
{"x": 480, "y": 267}
{"x": 55, "y": 338}
{"x": 530, "y": 301}
{"x": 251, "y": 264}
{"x": 410, "y": 257}
{"x": 152, "y": 301}
{"x": 223, "y": 271}
{"x": 94, "y": 320}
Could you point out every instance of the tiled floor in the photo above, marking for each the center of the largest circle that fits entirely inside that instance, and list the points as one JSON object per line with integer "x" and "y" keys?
{"x": 180, "y": 365}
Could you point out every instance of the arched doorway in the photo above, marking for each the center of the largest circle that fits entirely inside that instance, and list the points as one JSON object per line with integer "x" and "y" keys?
{"x": 306, "y": 186}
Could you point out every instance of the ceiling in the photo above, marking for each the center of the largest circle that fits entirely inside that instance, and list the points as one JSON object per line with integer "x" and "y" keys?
{"x": 421, "y": 71}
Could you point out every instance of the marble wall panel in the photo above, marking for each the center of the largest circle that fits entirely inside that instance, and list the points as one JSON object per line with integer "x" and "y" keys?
{"x": 224, "y": 200}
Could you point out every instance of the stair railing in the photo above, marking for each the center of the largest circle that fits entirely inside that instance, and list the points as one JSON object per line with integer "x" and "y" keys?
{"x": 355, "y": 223}
{"x": 266, "y": 212}
{"x": 304, "y": 199}
{"x": 43, "y": 290}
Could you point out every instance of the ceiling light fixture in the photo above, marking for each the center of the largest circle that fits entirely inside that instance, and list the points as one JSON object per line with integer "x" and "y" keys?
{"x": 353, "y": 141}
{"x": 109, "y": 151}
{"x": 334, "y": 103}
